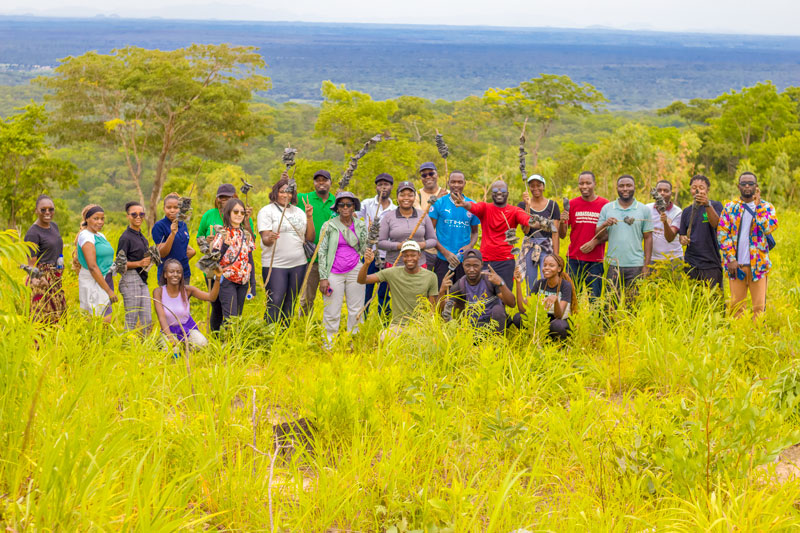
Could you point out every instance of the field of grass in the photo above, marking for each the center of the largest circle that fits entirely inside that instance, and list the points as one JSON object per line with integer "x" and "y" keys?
{"x": 659, "y": 422}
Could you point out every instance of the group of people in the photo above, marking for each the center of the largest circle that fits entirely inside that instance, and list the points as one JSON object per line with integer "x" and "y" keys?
{"x": 387, "y": 255}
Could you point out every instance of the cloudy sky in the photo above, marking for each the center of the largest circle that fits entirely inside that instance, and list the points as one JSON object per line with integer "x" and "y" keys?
{"x": 719, "y": 16}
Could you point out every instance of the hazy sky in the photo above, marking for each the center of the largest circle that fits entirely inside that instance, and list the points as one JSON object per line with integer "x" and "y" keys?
{"x": 720, "y": 16}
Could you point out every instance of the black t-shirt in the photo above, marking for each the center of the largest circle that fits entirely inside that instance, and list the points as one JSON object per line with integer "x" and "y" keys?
{"x": 550, "y": 211}
{"x": 565, "y": 290}
{"x": 135, "y": 245}
{"x": 703, "y": 250}
{"x": 49, "y": 243}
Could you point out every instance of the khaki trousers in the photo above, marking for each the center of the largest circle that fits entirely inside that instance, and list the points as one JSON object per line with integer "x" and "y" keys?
{"x": 739, "y": 288}
{"x": 343, "y": 287}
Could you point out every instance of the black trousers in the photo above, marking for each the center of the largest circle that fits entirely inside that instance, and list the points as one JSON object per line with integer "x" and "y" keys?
{"x": 504, "y": 269}
{"x": 282, "y": 290}
{"x": 231, "y": 298}
{"x": 442, "y": 267}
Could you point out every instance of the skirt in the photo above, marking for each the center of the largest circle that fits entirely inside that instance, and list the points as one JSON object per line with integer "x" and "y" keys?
{"x": 48, "y": 303}
{"x": 94, "y": 300}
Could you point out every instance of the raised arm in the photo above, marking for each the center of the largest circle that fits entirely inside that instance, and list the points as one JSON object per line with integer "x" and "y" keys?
{"x": 363, "y": 278}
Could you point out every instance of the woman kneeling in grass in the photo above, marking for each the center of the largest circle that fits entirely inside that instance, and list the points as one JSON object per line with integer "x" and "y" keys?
{"x": 559, "y": 295}
{"x": 172, "y": 305}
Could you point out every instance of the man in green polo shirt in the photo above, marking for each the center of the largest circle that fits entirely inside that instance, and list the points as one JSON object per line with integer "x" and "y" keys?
{"x": 322, "y": 201}
{"x": 630, "y": 237}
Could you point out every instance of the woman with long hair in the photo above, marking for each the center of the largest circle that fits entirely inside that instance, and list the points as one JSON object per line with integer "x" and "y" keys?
{"x": 283, "y": 228}
{"x": 236, "y": 243}
{"x": 48, "y": 303}
{"x": 95, "y": 256}
{"x": 171, "y": 302}
{"x": 556, "y": 293}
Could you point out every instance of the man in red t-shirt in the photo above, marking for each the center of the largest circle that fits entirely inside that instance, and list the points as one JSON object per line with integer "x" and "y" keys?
{"x": 585, "y": 255}
{"x": 496, "y": 218}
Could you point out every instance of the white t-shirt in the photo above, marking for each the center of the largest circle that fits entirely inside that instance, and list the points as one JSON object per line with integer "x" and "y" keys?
{"x": 87, "y": 236}
{"x": 289, "y": 246}
{"x": 743, "y": 238}
{"x": 661, "y": 248}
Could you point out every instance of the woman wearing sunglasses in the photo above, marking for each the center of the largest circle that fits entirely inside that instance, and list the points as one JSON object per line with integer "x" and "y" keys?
{"x": 133, "y": 284}
{"x": 236, "y": 244}
{"x": 340, "y": 251}
{"x": 47, "y": 296}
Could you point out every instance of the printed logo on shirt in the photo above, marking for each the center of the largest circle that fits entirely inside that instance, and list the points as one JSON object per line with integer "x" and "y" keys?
{"x": 705, "y": 217}
{"x": 587, "y": 217}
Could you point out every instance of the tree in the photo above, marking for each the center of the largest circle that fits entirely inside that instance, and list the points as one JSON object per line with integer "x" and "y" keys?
{"x": 158, "y": 107}
{"x": 27, "y": 168}
{"x": 544, "y": 101}
{"x": 352, "y": 117}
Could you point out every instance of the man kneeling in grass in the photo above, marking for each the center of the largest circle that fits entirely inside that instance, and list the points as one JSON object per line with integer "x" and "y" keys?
{"x": 407, "y": 283}
{"x": 481, "y": 292}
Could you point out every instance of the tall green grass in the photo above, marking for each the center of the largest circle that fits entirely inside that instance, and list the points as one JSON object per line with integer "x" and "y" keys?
{"x": 659, "y": 422}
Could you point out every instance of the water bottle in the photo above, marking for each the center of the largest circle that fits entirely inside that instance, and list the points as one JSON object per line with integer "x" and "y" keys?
{"x": 452, "y": 268}
{"x": 60, "y": 263}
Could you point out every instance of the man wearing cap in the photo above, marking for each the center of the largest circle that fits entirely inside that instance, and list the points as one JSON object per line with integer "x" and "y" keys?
{"x": 430, "y": 188}
{"x": 496, "y": 218}
{"x": 322, "y": 201}
{"x": 481, "y": 292}
{"x": 456, "y": 230}
{"x": 408, "y": 283}
{"x": 372, "y": 210}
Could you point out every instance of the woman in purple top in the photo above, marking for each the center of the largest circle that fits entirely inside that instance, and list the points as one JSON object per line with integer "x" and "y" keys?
{"x": 344, "y": 240}
{"x": 396, "y": 227}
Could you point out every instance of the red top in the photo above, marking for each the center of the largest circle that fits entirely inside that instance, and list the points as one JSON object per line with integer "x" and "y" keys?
{"x": 583, "y": 217}
{"x": 495, "y": 221}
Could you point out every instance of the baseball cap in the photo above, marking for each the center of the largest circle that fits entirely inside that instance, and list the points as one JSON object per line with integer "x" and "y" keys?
{"x": 403, "y": 185}
{"x": 323, "y": 173}
{"x": 226, "y": 189}
{"x": 472, "y": 253}
{"x": 535, "y": 177}
{"x": 426, "y": 166}
{"x": 410, "y": 245}
{"x": 384, "y": 177}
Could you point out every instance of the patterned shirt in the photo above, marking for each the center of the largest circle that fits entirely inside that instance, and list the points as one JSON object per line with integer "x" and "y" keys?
{"x": 236, "y": 246}
{"x": 764, "y": 223}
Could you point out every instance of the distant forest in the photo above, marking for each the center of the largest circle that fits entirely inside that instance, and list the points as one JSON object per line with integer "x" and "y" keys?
{"x": 634, "y": 70}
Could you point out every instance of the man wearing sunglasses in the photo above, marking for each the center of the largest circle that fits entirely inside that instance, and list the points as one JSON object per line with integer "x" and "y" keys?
{"x": 744, "y": 233}
{"x": 430, "y": 188}
{"x": 133, "y": 284}
{"x": 496, "y": 218}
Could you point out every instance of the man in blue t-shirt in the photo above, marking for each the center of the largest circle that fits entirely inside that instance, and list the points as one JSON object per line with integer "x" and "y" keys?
{"x": 456, "y": 230}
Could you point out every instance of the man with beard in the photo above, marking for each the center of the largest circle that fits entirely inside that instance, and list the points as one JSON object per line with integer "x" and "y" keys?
{"x": 322, "y": 201}
{"x": 430, "y": 187}
{"x": 497, "y": 218}
{"x": 744, "y": 232}
{"x": 665, "y": 227}
{"x": 698, "y": 233}
{"x": 456, "y": 230}
{"x": 630, "y": 237}
{"x": 372, "y": 210}
{"x": 585, "y": 254}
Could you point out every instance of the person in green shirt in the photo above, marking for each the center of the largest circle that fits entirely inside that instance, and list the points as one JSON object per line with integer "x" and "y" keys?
{"x": 322, "y": 201}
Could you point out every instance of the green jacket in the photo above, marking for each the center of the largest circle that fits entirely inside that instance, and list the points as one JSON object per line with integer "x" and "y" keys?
{"x": 330, "y": 242}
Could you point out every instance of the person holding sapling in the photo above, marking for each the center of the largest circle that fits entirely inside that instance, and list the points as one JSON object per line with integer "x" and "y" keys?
{"x": 171, "y": 302}
{"x": 497, "y": 218}
{"x": 171, "y": 236}
{"x": 48, "y": 302}
{"x": 456, "y": 230}
{"x": 586, "y": 249}
{"x": 340, "y": 251}
{"x": 481, "y": 292}
{"x": 666, "y": 217}
{"x": 283, "y": 228}
{"x": 396, "y": 227}
{"x": 95, "y": 256}
{"x": 408, "y": 283}
{"x": 630, "y": 237}
{"x": 236, "y": 243}
{"x": 372, "y": 211}
{"x": 698, "y": 232}
{"x": 321, "y": 200}
{"x": 430, "y": 188}
{"x": 745, "y": 236}
{"x": 555, "y": 292}
{"x": 543, "y": 234}
{"x": 133, "y": 283}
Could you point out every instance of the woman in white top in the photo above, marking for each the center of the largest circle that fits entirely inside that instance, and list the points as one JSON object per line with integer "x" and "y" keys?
{"x": 95, "y": 256}
{"x": 282, "y": 251}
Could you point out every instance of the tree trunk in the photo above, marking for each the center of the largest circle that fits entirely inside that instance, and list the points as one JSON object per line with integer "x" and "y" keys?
{"x": 161, "y": 173}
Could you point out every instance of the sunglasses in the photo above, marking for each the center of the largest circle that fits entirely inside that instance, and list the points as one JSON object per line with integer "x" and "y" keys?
{"x": 237, "y": 212}
{"x": 136, "y": 215}
{"x": 48, "y": 209}
{"x": 747, "y": 183}
{"x": 496, "y": 190}
{"x": 427, "y": 174}
{"x": 347, "y": 204}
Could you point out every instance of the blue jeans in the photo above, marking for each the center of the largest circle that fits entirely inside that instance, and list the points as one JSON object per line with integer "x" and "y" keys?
{"x": 588, "y": 273}
{"x": 383, "y": 296}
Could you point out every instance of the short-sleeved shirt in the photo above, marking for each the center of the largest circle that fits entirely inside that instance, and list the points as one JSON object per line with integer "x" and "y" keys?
{"x": 550, "y": 211}
{"x": 180, "y": 244}
{"x": 406, "y": 289}
{"x": 703, "y": 251}
{"x": 482, "y": 292}
{"x": 135, "y": 245}
{"x": 583, "y": 216}
{"x": 563, "y": 292}
{"x": 454, "y": 224}
{"x": 625, "y": 247}
{"x": 322, "y": 210}
{"x": 49, "y": 245}
{"x": 288, "y": 248}
{"x": 662, "y": 249}
{"x": 495, "y": 221}
{"x": 104, "y": 252}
